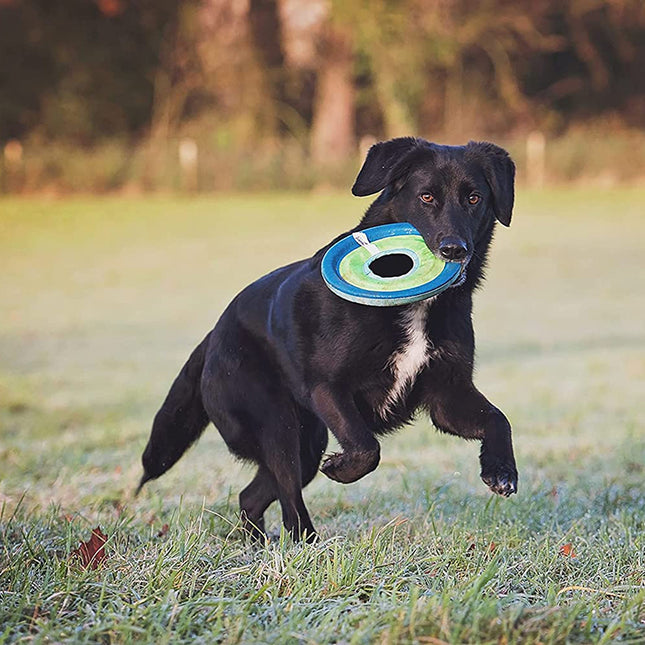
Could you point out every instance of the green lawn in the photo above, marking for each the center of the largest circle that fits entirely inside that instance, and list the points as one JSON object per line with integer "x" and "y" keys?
{"x": 101, "y": 301}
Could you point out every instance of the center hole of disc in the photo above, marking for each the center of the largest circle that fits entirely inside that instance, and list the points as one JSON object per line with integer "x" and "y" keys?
{"x": 393, "y": 265}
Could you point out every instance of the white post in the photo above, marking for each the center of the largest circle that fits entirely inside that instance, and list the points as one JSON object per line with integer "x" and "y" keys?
{"x": 535, "y": 159}
{"x": 11, "y": 160}
{"x": 188, "y": 154}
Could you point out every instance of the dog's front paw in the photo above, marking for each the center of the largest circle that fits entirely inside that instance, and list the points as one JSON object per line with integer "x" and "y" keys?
{"x": 499, "y": 476}
{"x": 347, "y": 467}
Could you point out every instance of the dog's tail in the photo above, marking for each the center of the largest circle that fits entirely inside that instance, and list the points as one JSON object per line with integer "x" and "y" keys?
{"x": 180, "y": 420}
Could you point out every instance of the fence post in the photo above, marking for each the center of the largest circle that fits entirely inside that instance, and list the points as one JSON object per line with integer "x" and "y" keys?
{"x": 188, "y": 154}
{"x": 535, "y": 159}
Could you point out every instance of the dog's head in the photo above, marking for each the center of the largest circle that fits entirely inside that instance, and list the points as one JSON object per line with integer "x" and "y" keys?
{"x": 451, "y": 194}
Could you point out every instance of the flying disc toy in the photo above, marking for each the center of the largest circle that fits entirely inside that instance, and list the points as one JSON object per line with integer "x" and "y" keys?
{"x": 386, "y": 265}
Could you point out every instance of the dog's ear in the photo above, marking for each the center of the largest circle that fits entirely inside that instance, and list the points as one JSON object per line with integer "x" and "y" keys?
{"x": 500, "y": 175}
{"x": 383, "y": 165}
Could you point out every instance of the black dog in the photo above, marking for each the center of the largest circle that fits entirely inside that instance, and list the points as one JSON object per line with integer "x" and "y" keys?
{"x": 289, "y": 359}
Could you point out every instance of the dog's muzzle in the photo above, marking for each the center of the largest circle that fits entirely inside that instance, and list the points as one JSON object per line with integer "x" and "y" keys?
{"x": 453, "y": 249}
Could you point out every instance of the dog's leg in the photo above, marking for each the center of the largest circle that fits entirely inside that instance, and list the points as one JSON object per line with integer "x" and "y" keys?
{"x": 263, "y": 425}
{"x": 280, "y": 448}
{"x": 361, "y": 451}
{"x": 462, "y": 410}
{"x": 313, "y": 443}
{"x": 254, "y": 501}
{"x": 263, "y": 490}
{"x": 498, "y": 469}
{"x": 294, "y": 512}
{"x": 284, "y": 463}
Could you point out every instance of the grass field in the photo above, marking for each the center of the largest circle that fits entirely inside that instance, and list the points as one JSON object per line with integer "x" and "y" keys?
{"x": 101, "y": 301}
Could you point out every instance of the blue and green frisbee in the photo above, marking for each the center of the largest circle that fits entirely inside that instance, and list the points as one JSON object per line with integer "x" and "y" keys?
{"x": 385, "y": 266}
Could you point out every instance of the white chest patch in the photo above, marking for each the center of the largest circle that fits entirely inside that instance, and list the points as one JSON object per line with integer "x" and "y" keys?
{"x": 411, "y": 357}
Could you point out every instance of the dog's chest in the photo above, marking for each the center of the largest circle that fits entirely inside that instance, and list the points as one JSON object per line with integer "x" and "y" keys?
{"x": 407, "y": 361}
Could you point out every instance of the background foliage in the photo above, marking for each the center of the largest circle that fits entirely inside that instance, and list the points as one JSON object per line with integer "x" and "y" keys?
{"x": 285, "y": 92}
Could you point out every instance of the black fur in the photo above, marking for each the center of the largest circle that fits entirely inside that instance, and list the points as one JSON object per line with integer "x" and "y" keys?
{"x": 289, "y": 359}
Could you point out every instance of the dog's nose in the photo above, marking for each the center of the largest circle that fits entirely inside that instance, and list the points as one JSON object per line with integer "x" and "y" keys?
{"x": 453, "y": 249}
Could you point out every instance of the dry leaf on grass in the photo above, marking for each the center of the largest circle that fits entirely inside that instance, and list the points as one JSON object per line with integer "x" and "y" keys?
{"x": 91, "y": 553}
{"x": 567, "y": 551}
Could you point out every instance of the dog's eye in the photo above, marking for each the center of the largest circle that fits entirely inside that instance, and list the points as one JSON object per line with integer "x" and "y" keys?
{"x": 474, "y": 198}
{"x": 427, "y": 198}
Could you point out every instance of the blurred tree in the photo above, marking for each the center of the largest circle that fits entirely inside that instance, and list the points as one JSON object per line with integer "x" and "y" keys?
{"x": 80, "y": 70}
{"x": 261, "y": 73}
{"x": 266, "y": 36}
{"x": 178, "y": 75}
{"x": 332, "y": 131}
{"x": 598, "y": 66}
{"x": 27, "y": 69}
{"x": 391, "y": 45}
{"x": 230, "y": 73}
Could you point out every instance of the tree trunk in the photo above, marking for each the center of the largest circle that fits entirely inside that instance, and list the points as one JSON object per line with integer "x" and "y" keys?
{"x": 266, "y": 35}
{"x": 333, "y": 136}
{"x": 396, "y": 115}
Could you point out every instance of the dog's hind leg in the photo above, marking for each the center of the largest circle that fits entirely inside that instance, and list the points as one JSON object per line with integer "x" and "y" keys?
{"x": 265, "y": 427}
{"x": 254, "y": 411}
{"x": 263, "y": 490}
{"x": 282, "y": 459}
{"x": 254, "y": 501}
